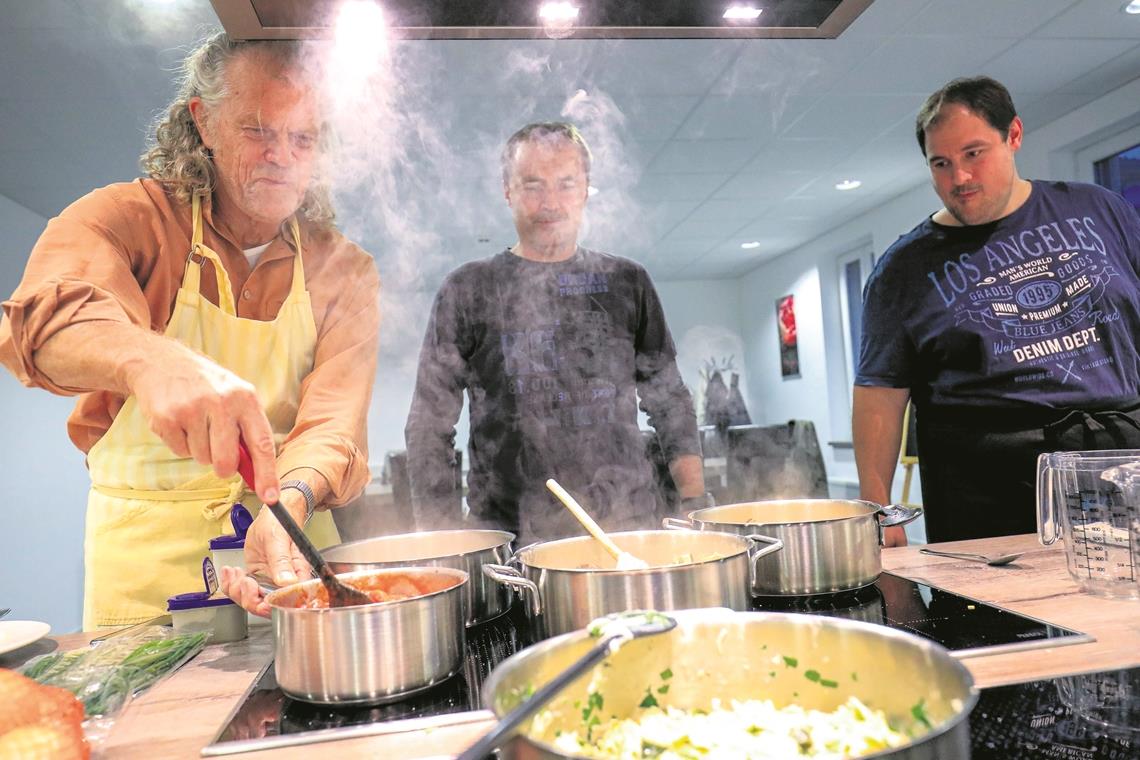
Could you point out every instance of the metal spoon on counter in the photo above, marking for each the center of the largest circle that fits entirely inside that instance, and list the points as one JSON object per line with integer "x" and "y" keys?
{"x": 995, "y": 561}
{"x": 615, "y": 630}
{"x": 340, "y": 595}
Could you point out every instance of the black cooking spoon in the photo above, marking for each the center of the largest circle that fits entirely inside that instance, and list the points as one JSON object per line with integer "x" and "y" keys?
{"x": 615, "y": 631}
{"x": 340, "y": 595}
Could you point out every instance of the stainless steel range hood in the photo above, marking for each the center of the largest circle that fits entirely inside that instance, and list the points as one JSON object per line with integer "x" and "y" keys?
{"x": 519, "y": 19}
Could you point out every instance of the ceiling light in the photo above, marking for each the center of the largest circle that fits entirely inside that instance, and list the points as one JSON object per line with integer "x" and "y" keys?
{"x": 1132, "y": 7}
{"x": 360, "y": 34}
{"x": 592, "y": 190}
{"x": 553, "y": 12}
{"x": 750, "y": 245}
{"x": 742, "y": 13}
{"x": 848, "y": 184}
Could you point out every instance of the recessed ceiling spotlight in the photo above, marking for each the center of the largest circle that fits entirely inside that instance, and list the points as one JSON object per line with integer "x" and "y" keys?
{"x": 848, "y": 184}
{"x": 557, "y": 11}
{"x": 742, "y": 13}
{"x": 591, "y": 190}
{"x": 750, "y": 245}
{"x": 1132, "y": 7}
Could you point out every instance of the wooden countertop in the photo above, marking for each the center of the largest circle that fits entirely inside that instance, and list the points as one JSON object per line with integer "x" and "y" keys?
{"x": 181, "y": 715}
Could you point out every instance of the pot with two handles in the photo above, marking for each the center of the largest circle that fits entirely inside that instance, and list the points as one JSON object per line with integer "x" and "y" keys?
{"x": 375, "y": 653}
{"x": 830, "y": 545}
{"x": 570, "y": 582}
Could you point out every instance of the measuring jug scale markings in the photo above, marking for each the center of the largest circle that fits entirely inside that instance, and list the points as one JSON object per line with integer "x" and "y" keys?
{"x": 1091, "y": 499}
{"x": 1102, "y": 547}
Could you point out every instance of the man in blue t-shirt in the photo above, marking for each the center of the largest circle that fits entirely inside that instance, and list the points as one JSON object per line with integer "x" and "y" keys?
{"x": 1010, "y": 317}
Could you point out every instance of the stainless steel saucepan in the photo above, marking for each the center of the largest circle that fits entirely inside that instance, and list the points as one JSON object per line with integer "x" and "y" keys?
{"x": 371, "y": 653}
{"x": 806, "y": 660}
{"x": 570, "y": 582}
{"x": 830, "y": 545}
{"x": 466, "y": 550}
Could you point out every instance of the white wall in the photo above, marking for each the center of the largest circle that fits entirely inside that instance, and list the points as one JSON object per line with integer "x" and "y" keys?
{"x": 704, "y": 319}
{"x": 46, "y": 494}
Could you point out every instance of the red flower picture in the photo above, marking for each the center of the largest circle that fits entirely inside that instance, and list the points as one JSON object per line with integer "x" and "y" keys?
{"x": 789, "y": 352}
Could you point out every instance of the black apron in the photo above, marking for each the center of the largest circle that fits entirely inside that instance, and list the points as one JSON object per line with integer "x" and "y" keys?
{"x": 979, "y": 464}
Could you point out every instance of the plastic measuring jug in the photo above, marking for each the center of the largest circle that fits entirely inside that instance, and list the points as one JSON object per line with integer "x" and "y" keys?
{"x": 1088, "y": 498}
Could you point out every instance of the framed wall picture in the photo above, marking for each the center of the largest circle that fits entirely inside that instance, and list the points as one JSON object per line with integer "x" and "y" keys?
{"x": 789, "y": 350}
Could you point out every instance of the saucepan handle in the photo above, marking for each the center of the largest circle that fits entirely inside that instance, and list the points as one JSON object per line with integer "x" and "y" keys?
{"x": 677, "y": 523}
{"x": 509, "y": 576}
{"x": 756, "y": 552}
{"x": 898, "y": 514}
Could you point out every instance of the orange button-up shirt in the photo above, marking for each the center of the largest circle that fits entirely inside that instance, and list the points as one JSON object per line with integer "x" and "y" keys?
{"x": 119, "y": 254}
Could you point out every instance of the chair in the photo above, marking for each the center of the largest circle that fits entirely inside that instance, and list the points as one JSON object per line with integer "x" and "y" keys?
{"x": 775, "y": 462}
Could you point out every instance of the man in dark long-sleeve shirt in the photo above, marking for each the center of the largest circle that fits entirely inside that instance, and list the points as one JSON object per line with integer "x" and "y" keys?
{"x": 554, "y": 345}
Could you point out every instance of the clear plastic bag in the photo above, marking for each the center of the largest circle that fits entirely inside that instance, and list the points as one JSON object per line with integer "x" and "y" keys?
{"x": 107, "y": 675}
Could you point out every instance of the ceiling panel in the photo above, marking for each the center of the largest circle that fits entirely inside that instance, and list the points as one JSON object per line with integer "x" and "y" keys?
{"x": 920, "y": 65}
{"x": 697, "y": 156}
{"x": 795, "y": 154}
{"x": 1092, "y": 18}
{"x": 678, "y": 187}
{"x": 858, "y": 117}
{"x": 45, "y": 14}
{"x": 1058, "y": 62}
{"x": 758, "y": 117}
{"x": 767, "y": 186}
{"x": 991, "y": 18}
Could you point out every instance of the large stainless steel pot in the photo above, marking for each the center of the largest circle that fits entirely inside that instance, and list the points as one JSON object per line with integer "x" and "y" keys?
{"x": 829, "y": 544}
{"x": 724, "y": 655}
{"x": 372, "y": 653}
{"x": 466, "y": 550}
{"x": 571, "y": 581}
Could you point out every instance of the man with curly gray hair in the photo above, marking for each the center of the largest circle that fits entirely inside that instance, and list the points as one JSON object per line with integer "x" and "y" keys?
{"x": 210, "y": 302}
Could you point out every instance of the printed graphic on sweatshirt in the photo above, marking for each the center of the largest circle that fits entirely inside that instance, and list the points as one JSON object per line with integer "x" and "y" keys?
{"x": 558, "y": 372}
{"x": 1039, "y": 293}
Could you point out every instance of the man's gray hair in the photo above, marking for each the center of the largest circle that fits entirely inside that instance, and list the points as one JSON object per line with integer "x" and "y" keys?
{"x": 176, "y": 156}
{"x": 545, "y": 130}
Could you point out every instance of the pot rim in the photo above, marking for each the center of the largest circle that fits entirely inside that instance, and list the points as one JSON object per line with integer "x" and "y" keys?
{"x": 508, "y": 537}
{"x": 722, "y": 616}
{"x": 694, "y": 515}
{"x": 461, "y": 577}
{"x": 744, "y": 546}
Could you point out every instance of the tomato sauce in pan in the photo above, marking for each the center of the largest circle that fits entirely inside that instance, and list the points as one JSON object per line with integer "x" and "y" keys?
{"x": 387, "y": 587}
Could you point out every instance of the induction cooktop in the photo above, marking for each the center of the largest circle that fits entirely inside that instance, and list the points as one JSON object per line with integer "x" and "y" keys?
{"x": 267, "y": 718}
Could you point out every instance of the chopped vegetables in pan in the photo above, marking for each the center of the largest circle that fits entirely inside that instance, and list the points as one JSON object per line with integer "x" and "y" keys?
{"x": 754, "y": 729}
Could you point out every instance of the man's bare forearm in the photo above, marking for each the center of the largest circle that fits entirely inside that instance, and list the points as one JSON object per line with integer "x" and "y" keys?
{"x": 688, "y": 474}
{"x": 876, "y": 428}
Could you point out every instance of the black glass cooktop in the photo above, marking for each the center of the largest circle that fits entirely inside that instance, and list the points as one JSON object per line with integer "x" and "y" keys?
{"x": 1095, "y": 716}
{"x": 964, "y": 626}
{"x": 266, "y": 717}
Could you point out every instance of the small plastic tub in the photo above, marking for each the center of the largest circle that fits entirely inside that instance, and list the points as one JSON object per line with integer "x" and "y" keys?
{"x": 217, "y": 615}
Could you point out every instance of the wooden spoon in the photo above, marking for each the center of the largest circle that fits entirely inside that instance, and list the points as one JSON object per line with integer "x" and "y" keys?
{"x": 625, "y": 560}
{"x": 340, "y": 595}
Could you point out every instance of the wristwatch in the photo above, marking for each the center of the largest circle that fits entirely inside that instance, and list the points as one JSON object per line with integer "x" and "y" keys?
{"x": 310, "y": 497}
{"x": 698, "y": 502}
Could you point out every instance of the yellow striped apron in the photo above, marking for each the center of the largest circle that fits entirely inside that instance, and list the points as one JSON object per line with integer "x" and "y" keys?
{"x": 151, "y": 513}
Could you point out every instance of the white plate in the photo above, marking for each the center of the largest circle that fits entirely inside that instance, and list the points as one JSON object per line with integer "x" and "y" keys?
{"x": 19, "y": 633}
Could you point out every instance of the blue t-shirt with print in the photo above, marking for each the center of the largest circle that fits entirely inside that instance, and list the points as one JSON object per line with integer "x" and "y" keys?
{"x": 1039, "y": 308}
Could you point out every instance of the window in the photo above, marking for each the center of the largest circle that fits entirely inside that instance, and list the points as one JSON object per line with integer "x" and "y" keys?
{"x": 854, "y": 267}
{"x": 1121, "y": 172}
